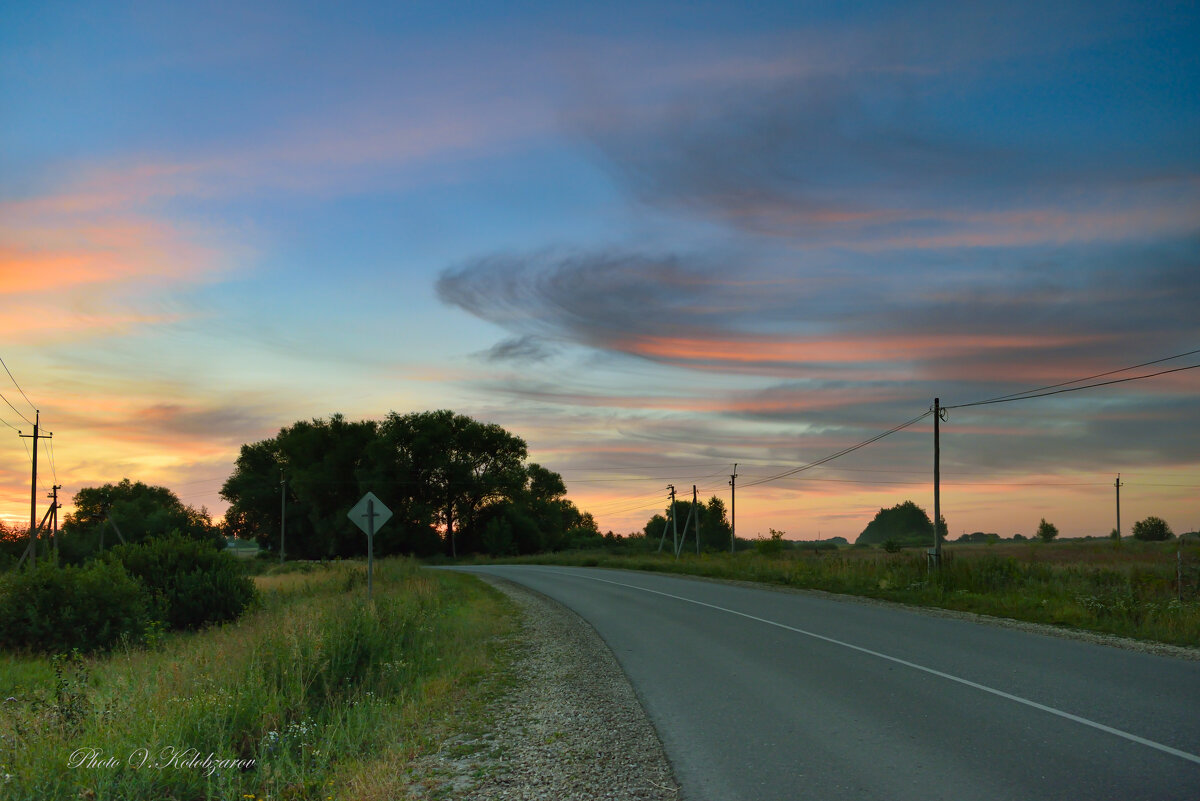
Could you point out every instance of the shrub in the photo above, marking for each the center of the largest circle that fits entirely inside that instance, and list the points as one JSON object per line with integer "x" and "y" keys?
{"x": 1047, "y": 531}
{"x": 1152, "y": 529}
{"x": 57, "y": 609}
{"x": 192, "y": 583}
{"x": 772, "y": 545}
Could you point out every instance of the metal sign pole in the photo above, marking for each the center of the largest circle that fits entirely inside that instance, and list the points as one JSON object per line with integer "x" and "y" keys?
{"x": 370, "y": 544}
{"x": 364, "y": 516}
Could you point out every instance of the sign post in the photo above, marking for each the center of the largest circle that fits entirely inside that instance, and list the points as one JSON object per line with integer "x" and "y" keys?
{"x": 369, "y": 514}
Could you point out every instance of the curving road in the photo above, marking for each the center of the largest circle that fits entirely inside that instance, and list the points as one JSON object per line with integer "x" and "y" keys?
{"x": 760, "y": 694}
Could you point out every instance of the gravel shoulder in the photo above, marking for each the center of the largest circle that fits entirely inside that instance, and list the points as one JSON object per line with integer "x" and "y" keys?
{"x": 566, "y": 725}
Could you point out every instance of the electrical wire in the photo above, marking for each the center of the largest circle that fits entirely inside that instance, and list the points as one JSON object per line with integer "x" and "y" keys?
{"x": 1075, "y": 389}
{"x": 1054, "y": 389}
{"x": 18, "y": 386}
{"x": 840, "y": 453}
{"x": 15, "y": 409}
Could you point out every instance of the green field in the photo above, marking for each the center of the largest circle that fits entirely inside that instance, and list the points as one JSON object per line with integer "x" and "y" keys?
{"x": 1127, "y": 588}
{"x": 317, "y": 694}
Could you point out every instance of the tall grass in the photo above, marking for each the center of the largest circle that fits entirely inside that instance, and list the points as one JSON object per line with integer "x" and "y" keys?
{"x": 1133, "y": 595}
{"x": 318, "y": 694}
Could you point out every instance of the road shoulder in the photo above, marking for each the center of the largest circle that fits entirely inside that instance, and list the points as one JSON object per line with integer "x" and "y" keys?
{"x": 568, "y": 726}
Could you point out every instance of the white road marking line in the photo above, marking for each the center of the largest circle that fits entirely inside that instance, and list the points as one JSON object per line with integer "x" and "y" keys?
{"x": 1166, "y": 749}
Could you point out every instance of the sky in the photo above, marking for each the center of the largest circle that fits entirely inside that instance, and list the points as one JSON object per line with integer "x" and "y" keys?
{"x": 652, "y": 239}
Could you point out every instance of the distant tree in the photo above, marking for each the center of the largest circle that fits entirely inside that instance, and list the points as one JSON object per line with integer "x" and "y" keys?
{"x": 905, "y": 523}
{"x": 1047, "y": 531}
{"x": 1152, "y": 529}
{"x": 655, "y": 527}
{"x": 139, "y": 511}
{"x": 770, "y": 545}
{"x": 453, "y": 484}
{"x": 715, "y": 530}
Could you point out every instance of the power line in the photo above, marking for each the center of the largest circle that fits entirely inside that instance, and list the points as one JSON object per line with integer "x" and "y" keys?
{"x": 840, "y": 453}
{"x": 15, "y": 409}
{"x": 649, "y": 467}
{"x": 18, "y": 386}
{"x": 1053, "y": 389}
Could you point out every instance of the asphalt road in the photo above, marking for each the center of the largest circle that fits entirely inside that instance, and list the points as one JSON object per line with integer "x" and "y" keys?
{"x": 759, "y": 694}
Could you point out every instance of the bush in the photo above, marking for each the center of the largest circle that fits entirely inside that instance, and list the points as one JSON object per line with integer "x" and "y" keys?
{"x": 772, "y": 545}
{"x": 57, "y": 609}
{"x": 1047, "y": 531}
{"x": 1152, "y": 529}
{"x": 192, "y": 583}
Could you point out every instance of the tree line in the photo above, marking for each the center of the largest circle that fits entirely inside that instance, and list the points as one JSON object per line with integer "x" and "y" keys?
{"x": 454, "y": 485}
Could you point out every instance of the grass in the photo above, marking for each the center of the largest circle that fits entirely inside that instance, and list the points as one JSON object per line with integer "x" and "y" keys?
{"x": 317, "y": 694}
{"x": 1126, "y": 588}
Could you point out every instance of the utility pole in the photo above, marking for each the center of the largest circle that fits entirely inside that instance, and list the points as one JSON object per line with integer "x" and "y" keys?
{"x": 54, "y": 507}
{"x": 937, "y": 483}
{"x": 686, "y": 524}
{"x": 696, "y": 507}
{"x": 733, "y": 510}
{"x": 33, "y": 522}
{"x": 1118, "y": 485}
{"x": 674, "y": 526}
{"x": 282, "y": 512}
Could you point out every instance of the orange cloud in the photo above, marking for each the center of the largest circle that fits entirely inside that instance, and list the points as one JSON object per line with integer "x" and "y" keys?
{"x": 840, "y": 351}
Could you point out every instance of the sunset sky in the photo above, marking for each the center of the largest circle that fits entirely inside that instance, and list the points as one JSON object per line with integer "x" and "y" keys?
{"x": 653, "y": 239}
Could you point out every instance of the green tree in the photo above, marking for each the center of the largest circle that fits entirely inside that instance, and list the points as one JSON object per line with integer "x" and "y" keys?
{"x": 447, "y": 478}
{"x": 904, "y": 523}
{"x": 1152, "y": 529}
{"x": 139, "y": 511}
{"x": 715, "y": 530}
{"x": 1047, "y": 531}
{"x": 320, "y": 461}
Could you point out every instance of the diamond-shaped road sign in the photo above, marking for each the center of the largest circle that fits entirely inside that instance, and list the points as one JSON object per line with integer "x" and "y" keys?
{"x": 369, "y": 505}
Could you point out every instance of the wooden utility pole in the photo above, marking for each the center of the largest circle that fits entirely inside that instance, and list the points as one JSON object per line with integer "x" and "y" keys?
{"x": 686, "y": 523}
{"x": 54, "y": 507}
{"x": 1117, "y": 484}
{"x": 937, "y": 483}
{"x": 33, "y": 522}
{"x": 282, "y": 512}
{"x": 674, "y": 526}
{"x": 733, "y": 510}
{"x": 696, "y": 507}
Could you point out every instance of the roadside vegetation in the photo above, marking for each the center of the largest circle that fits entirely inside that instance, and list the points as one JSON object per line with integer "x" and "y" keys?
{"x": 314, "y": 694}
{"x": 1124, "y": 587}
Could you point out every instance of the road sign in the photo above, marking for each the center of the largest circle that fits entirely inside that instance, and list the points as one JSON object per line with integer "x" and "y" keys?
{"x": 362, "y": 510}
{"x": 369, "y": 514}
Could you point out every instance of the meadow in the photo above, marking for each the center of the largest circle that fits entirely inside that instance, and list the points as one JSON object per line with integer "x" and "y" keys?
{"x": 316, "y": 694}
{"x": 1127, "y": 588}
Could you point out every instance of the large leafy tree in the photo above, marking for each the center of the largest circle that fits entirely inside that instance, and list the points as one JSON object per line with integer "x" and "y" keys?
{"x": 445, "y": 476}
{"x": 904, "y": 522}
{"x": 535, "y": 517}
{"x": 1152, "y": 529}
{"x": 138, "y": 511}
{"x": 312, "y": 467}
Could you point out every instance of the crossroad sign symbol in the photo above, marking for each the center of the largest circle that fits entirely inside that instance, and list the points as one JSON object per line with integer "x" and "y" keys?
{"x": 370, "y": 514}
